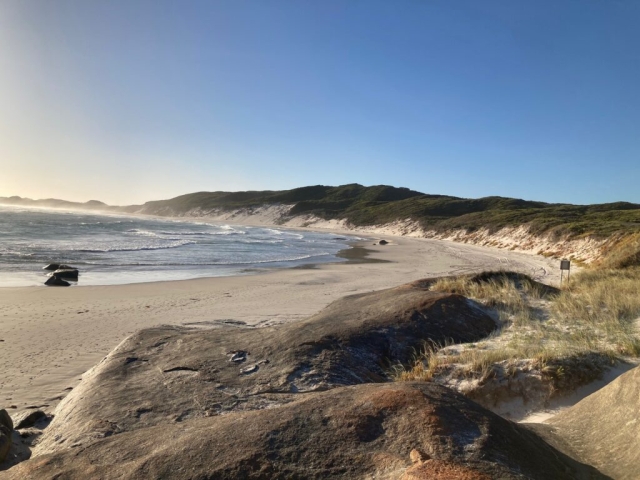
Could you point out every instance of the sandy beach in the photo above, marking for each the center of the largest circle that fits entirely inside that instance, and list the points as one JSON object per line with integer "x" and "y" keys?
{"x": 50, "y": 336}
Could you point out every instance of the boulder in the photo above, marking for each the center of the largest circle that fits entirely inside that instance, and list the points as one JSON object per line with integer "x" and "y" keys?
{"x": 382, "y": 242}
{"x": 387, "y": 431}
{"x": 69, "y": 273}
{"x": 56, "y": 281}
{"x": 153, "y": 377}
{"x": 29, "y": 418}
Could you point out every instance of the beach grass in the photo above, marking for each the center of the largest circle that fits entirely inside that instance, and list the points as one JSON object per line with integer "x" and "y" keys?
{"x": 593, "y": 317}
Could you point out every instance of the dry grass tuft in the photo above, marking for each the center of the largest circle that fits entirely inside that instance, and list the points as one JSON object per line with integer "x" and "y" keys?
{"x": 587, "y": 323}
{"x": 601, "y": 308}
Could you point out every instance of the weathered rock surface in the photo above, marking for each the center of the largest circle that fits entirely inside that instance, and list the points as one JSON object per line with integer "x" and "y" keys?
{"x": 169, "y": 374}
{"x": 301, "y": 400}
{"x": 383, "y": 431}
{"x": 604, "y": 428}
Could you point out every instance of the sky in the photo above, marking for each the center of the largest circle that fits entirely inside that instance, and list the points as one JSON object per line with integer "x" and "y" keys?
{"x": 127, "y": 101}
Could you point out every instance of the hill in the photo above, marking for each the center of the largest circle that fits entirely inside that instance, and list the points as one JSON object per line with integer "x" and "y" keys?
{"x": 54, "y": 203}
{"x": 382, "y": 204}
{"x": 586, "y": 233}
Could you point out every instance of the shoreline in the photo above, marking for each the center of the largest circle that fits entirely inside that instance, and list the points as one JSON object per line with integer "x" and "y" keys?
{"x": 50, "y": 337}
{"x": 104, "y": 274}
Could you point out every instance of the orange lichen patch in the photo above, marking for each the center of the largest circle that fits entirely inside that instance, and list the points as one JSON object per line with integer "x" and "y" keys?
{"x": 395, "y": 399}
{"x": 441, "y": 470}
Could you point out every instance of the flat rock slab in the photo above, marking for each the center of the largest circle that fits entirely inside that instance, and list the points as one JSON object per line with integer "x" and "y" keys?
{"x": 383, "y": 431}
{"x": 166, "y": 375}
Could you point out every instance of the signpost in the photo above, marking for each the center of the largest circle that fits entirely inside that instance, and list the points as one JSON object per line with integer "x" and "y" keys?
{"x": 565, "y": 265}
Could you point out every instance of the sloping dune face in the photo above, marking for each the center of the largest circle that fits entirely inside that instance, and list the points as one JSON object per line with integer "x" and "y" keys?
{"x": 604, "y": 428}
{"x": 302, "y": 400}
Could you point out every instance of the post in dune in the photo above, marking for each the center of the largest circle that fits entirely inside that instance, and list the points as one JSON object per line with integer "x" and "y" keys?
{"x": 565, "y": 265}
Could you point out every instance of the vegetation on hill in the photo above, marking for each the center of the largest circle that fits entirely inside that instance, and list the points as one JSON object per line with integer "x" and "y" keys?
{"x": 380, "y": 204}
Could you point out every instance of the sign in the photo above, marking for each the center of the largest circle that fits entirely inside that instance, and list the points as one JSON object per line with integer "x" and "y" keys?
{"x": 565, "y": 265}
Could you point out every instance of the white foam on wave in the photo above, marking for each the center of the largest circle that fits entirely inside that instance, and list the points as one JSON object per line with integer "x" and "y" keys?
{"x": 276, "y": 260}
{"x": 177, "y": 244}
{"x": 144, "y": 233}
{"x": 226, "y": 232}
{"x": 284, "y": 232}
{"x": 271, "y": 242}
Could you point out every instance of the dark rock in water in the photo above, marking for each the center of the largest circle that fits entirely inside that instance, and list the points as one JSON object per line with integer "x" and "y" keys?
{"x": 382, "y": 242}
{"x": 57, "y": 266}
{"x": 56, "y": 281}
{"x": 29, "y": 419}
{"x": 69, "y": 274}
{"x": 393, "y": 431}
{"x": 5, "y": 419}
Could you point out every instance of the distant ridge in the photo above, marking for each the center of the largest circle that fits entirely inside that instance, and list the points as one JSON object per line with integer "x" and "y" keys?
{"x": 383, "y": 204}
{"x": 55, "y": 203}
{"x": 592, "y": 230}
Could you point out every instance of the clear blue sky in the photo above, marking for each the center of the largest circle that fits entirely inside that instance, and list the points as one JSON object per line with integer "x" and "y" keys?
{"x": 131, "y": 100}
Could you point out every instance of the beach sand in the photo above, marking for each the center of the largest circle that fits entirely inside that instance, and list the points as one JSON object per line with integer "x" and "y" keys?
{"x": 50, "y": 336}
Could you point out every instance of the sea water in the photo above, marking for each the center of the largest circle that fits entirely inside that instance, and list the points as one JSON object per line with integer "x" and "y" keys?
{"x": 115, "y": 249}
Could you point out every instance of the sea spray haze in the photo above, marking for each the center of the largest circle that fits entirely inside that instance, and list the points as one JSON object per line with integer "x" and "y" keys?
{"x": 113, "y": 249}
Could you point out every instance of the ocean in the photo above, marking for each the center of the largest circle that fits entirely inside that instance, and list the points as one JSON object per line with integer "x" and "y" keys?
{"x": 117, "y": 249}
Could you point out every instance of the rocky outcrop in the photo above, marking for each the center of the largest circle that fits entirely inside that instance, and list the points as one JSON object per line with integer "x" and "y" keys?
{"x": 385, "y": 431}
{"x": 169, "y": 374}
{"x": 307, "y": 400}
